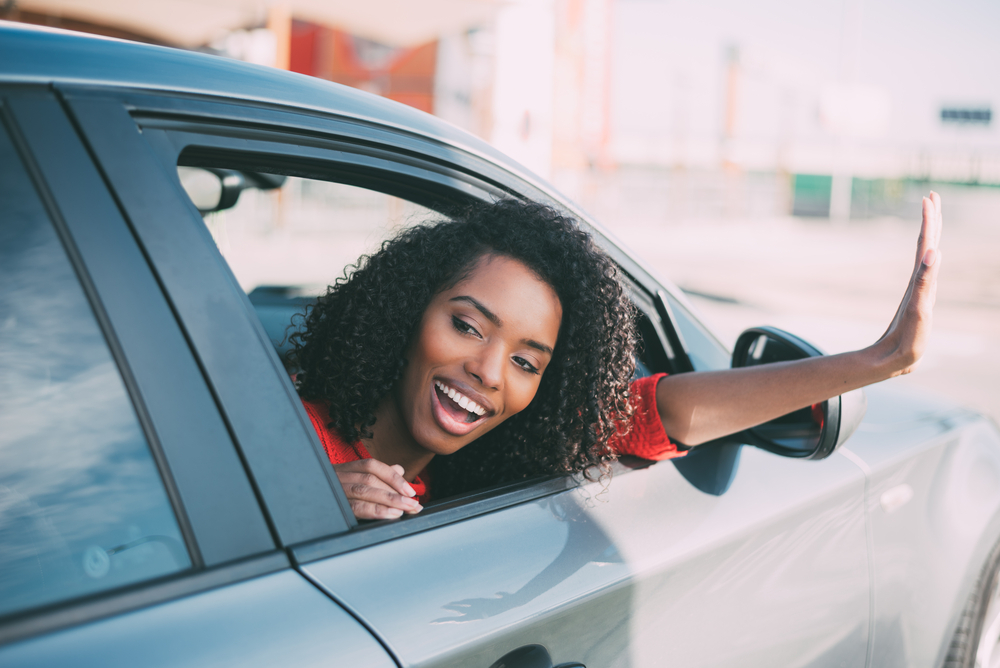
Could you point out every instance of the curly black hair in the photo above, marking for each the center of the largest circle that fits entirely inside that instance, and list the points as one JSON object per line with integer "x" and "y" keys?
{"x": 352, "y": 348}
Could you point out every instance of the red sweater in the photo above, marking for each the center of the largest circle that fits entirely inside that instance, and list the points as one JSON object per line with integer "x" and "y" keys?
{"x": 645, "y": 439}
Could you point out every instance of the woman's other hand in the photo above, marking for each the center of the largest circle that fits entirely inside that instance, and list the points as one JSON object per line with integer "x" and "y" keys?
{"x": 376, "y": 490}
{"x": 904, "y": 342}
{"x": 699, "y": 407}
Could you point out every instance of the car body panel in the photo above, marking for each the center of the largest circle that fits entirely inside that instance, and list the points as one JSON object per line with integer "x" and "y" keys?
{"x": 934, "y": 510}
{"x": 773, "y": 572}
{"x": 228, "y": 626}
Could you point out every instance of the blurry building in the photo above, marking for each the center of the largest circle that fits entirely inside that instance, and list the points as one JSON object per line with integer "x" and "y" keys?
{"x": 649, "y": 110}
{"x": 403, "y": 74}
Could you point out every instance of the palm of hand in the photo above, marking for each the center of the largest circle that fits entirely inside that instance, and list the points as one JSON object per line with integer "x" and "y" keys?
{"x": 905, "y": 340}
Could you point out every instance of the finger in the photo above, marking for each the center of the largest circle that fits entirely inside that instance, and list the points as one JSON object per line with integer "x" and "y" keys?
{"x": 936, "y": 199}
{"x": 391, "y": 475}
{"x": 366, "y": 487}
{"x": 927, "y": 225}
{"x": 925, "y": 283}
{"x": 365, "y": 510}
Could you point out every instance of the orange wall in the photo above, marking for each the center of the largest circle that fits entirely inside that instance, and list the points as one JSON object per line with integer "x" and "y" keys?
{"x": 402, "y": 74}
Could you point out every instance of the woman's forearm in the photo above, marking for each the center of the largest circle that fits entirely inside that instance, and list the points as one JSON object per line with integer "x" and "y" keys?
{"x": 699, "y": 407}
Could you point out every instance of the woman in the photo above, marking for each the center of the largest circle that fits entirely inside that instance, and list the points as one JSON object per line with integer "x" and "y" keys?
{"x": 502, "y": 340}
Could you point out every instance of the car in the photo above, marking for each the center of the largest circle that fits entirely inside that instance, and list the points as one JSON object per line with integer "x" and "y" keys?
{"x": 164, "y": 499}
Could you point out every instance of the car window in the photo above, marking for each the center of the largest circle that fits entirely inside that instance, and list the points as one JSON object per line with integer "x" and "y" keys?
{"x": 287, "y": 238}
{"x": 301, "y": 232}
{"x": 82, "y": 505}
{"x": 704, "y": 350}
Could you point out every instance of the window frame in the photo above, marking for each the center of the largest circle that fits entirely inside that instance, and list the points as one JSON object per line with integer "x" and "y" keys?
{"x": 262, "y": 137}
{"x": 226, "y": 542}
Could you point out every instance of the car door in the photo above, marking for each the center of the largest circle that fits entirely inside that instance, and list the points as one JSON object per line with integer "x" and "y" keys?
{"x": 129, "y": 530}
{"x": 728, "y": 556}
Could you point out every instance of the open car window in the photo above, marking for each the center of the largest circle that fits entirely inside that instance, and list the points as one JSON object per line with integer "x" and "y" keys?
{"x": 303, "y": 233}
{"x": 287, "y": 238}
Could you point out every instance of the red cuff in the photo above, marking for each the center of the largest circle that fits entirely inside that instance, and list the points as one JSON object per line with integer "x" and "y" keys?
{"x": 646, "y": 437}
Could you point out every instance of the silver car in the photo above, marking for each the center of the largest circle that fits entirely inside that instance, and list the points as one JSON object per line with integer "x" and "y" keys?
{"x": 165, "y": 501}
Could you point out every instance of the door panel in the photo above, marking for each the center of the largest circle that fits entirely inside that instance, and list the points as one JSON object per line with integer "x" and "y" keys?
{"x": 647, "y": 572}
{"x": 934, "y": 510}
{"x": 275, "y": 620}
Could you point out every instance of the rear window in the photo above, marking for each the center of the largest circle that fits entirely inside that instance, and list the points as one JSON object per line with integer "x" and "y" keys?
{"x": 82, "y": 506}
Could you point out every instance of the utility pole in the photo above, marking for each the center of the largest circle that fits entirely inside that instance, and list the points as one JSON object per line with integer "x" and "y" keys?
{"x": 843, "y": 167}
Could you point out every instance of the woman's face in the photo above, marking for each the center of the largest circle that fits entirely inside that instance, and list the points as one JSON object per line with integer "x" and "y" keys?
{"x": 478, "y": 355}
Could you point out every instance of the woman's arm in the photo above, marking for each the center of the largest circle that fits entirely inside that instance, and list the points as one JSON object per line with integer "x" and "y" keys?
{"x": 699, "y": 407}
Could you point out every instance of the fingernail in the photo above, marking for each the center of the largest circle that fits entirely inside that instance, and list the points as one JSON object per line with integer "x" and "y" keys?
{"x": 930, "y": 257}
{"x": 409, "y": 490}
{"x": 416, "y": 508}
{"x": 394, "y": 512}
{"x": 411, "y": 503}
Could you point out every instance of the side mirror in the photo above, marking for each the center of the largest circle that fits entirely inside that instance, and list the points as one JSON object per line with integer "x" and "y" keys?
{"x": 810, "y": 433}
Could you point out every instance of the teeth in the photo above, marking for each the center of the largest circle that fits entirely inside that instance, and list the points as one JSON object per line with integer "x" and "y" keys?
{"x": 460, "y": 399}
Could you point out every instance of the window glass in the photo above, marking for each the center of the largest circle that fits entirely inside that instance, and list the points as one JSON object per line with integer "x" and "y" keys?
{"x": 705, "y": 351}
{"x": 82, "y": 504}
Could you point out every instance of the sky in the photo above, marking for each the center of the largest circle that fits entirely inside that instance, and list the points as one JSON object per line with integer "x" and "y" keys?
{"x": 669, "y": 69}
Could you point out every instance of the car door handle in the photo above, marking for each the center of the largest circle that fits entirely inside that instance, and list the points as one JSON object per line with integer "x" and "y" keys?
{"x": 531, "y": 656}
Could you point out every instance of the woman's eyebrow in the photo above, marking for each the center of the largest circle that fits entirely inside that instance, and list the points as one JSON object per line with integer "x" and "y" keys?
{"x": 490, "y": 315}
{"x": 495, "y": 319}
{"x": 540, "y": 346}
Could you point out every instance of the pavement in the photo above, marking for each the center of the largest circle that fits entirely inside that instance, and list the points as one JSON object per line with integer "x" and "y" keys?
{"x": 838, "y": 286}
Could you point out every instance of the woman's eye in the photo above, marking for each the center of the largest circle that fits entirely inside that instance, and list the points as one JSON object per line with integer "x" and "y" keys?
{"x": 464, "y": 327}
{"x": 526, "y": 365}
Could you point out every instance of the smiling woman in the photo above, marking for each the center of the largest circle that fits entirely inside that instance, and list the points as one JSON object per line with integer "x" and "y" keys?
{"x": 500, "y": 339}
{"x": 498, "y": 345}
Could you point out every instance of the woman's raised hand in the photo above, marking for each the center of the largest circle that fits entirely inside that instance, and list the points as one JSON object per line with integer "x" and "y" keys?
{"x": 699, "y": 407}
{"x": 376, "y": 490}
{"x": 905, "y": 340}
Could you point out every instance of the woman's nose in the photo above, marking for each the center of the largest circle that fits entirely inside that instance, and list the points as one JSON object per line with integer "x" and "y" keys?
{"x": 488, "y": 366}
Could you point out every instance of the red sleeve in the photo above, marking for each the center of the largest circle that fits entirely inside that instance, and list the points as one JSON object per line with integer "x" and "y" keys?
{"x": 337, "y": 449}
{"x": 644, "y": 436}
{"x": 340, "y": 451}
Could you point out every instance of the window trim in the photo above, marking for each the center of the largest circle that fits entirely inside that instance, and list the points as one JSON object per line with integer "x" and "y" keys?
{"x": 437, "y": 514}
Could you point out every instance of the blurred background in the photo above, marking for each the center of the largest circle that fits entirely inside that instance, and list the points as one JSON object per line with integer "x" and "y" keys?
{"x": 767, "y": 157}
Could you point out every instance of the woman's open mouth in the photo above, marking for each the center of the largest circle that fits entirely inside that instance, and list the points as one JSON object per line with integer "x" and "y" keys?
{"x": 455, "y": 412}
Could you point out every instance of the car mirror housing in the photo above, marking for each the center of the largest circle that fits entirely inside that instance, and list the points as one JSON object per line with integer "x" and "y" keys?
{"x": 212, "y": 189}
{"x": 814, "y": 432}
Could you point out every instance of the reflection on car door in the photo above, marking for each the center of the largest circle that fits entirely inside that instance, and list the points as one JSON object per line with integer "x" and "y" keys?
{"x": 646, "y": 571}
